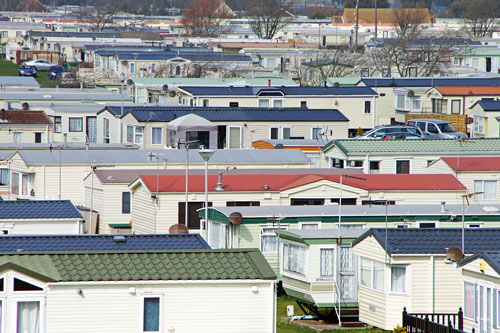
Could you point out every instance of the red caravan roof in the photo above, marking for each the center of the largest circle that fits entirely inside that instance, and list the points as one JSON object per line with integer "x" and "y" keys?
{"x": 245, "y": 183}
{"x": 473, "y": 163}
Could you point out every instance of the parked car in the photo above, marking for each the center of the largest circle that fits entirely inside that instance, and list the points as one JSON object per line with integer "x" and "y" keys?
{"x": 39, "y": 64}
{"x": 379, "y": 131}
{"x": 436, "y": 129}
{"x": 55, "y": 72}
{"x": 402, "y": 136}
{"x": 27, "y": 70}
{"x": 68, "y": 80}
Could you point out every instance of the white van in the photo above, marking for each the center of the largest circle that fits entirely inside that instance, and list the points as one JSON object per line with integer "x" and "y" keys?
{"x": 436, "y": 129}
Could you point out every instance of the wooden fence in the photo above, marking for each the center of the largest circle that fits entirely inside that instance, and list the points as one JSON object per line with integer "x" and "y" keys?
{"x": 434, "y": 322}
{"x": 458, "y": 120}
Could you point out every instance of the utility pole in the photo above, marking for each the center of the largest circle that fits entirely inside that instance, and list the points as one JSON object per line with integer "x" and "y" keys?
{"x": 357, "y": 27}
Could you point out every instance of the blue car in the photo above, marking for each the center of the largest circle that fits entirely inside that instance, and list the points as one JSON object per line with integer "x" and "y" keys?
{"x": 55, "y": 72}
{"x": 27, "y": 70}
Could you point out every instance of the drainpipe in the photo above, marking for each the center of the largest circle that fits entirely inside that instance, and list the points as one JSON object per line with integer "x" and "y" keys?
{"x": 431, "y": 262}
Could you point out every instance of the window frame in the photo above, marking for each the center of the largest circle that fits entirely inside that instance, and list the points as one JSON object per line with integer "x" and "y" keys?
{"x": 152, "y": 135}
{"x": 303, "y": 265}
{"x": 367, "y": 107}
{"x": 160, "y": 315}
{"x": 271, "y": 133}
{"x": 436, "y": 224}
{"x": 129, "y": 134}
{"x": 271, "y": 232}
{"x": 481, "y": 188}
{"x": 372, "y": 275}
{"x": 321, "y": 274}
{"x": 316, "y": 128}
{"x": 474, "y": 300}
{"x": 229, "y": 137}
{"x": 262, "y": 100}
{"x": 223, "y": 240}
{"x": 283, "y": 132}
{"x": 281, "y": 100}
{"x": 302, "y": 224}
{"x": 17, "y": 137}
{"x": 57, "y": 124}
{"x": 406, "y": 280}
{"x": 139, "y": 134}
{"x": 70, "y": 127}
{"x": 402, "y": 160}
{"x": 124, "y": 194}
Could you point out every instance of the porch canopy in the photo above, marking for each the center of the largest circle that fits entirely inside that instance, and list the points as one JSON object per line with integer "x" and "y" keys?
{"x": 192, "y": 128}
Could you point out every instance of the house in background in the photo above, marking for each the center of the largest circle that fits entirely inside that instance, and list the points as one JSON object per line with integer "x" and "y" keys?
{"x": 401, "y": 268}
{"x": 29, "y": 217}
{"x": 478, "y": 174}
{"x": 151, "y": 291}
{"x": 236, "y": 127}
{"x": 402, "y": 156}
{"x": 486, "y": 116}
{"x": 22, "y": 126}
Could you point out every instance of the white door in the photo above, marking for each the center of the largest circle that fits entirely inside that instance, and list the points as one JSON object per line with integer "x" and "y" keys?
{"x": 347, "y": 278}
{"x": 234, "y": 137}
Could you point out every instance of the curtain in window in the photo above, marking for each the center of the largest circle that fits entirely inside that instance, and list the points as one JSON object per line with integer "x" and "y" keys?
{"x": 269, "y": 243}
{"x": 234, "y": 138}
{"x": 92, "y": 129}
{"x": 130, "y": 134}
{"x": 400, "y": 102}
{"x": 286, "y": 257}
{"x": 469, "y": 300}
{"x": 398, "y": 279}
{"x": 138, "y": 134}
{"x": 156, "y": 135}
{"x": 366, "y": 269}
{"x": 326, "y": 262}
{"x": 4, "y": 176}
{"x": 378, "y": 276}
{"x": 75, "y": 124}
{"x": 217, "y": 235}
{"x": 28, "y": 317}
{"x": 25, "y": 184}
{"x": 151, "y": 314}
{"x": 15, "y": 183}
{"x": 310, "y": 226}
{"x": 490, "y": 190}
{"x": 297, "y": 255}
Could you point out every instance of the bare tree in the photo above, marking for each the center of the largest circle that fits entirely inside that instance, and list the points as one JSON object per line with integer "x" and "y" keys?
{"x": 409, "y": 21}
{"x": 99, "y": 15}
{"x": 480, "y": 16}
{"x": 267, "y": 17}
{"x": 205, "y": 17}
{"x": 422, "y": 56}
{"x": 335, "y": 63}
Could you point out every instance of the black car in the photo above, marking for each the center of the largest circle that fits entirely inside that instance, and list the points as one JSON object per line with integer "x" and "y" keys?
{"x": 27, "y": 70}
{"x": 55, "y": 72}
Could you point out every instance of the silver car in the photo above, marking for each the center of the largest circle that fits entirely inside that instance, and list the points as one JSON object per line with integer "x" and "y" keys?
{"x": 39, "y": 64}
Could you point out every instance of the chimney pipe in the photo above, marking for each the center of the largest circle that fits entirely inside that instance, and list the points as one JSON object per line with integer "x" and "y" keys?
{"x": 219, "y": 183}
{"x": 3, "y": 114}
{"x": 269, "y": 82}
{"x": 65, "y": 139}
{"x": 443, "y": 208}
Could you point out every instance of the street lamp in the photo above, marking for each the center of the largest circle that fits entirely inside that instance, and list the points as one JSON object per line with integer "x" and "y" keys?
{"x": 122, "y": 79}
{"x": 466, "y": 196}
{"x": 206, "y": 154}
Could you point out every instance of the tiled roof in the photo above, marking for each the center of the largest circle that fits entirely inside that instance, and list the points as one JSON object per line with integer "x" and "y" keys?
{"x": 473, "y": 163}
{"x": 468, "y": 90}
{"x": 237, "y": 264}
{"x": 297, "y": 91}
{"x": 448, "y": 146}
{"x": 84, "y": 243}
{"x": 166, "y": 114}
{"x": 491, "y": 257}
{"x": 488, "y": 105}
{"x": 434, "y": 241}
{"x": 430, "y": 82}
{"x": 25, "y": 117}
{"x": 260, "y": 182}
{"x": 38, "y": 209}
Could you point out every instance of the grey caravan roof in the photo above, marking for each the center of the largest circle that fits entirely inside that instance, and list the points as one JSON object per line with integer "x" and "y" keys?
{"x": 221, "y": 156}
{"x": 7, "y": 81}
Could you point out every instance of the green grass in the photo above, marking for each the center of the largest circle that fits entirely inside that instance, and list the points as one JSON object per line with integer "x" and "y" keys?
{"x": 283, "y": 301}
{"x": 8, "y": 68}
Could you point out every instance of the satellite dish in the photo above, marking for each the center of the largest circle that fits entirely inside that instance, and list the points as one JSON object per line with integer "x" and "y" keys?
{"x": 130, "y": 82}
{"x": 279, "y": 146}
{"x": 178, "y": 229}
{"x": 454, "y": 254}
{"x": 171, "y": 93}
{"x": 235, "y": 218}
{"x": 411, "y": 93}
{"x": 164, "y": 87}
{"x": 25, "y": 106}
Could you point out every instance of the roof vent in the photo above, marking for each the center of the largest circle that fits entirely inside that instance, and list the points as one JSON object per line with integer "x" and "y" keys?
{"x": 219, "y": 183}
{"x": 119, "y": 239}
{"x": 266, "y": 187}
{"x": 110, "y": 178}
